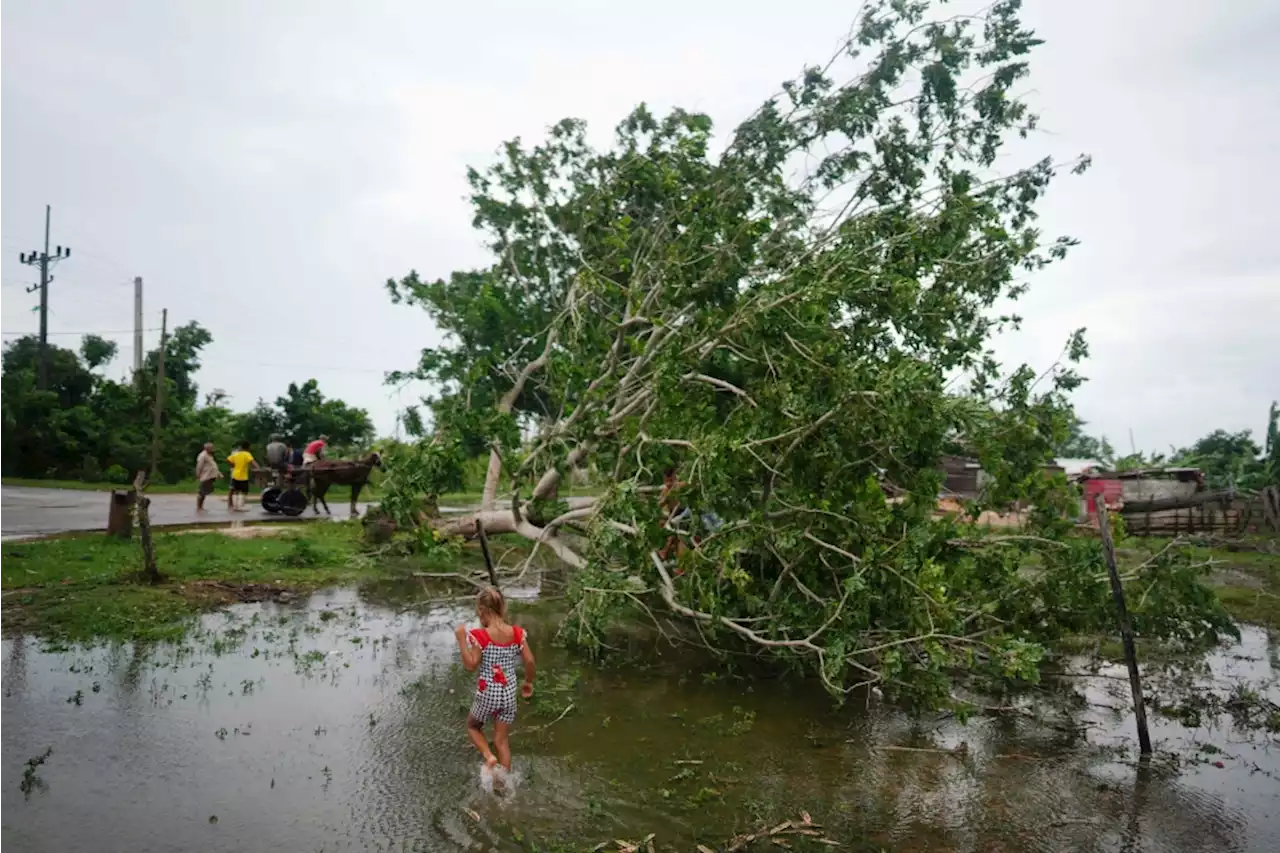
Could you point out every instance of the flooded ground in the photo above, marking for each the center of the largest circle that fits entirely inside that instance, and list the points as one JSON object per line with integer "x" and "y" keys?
{"x": 337, "y": 724}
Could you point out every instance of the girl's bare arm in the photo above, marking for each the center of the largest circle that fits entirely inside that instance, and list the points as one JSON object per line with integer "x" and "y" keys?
{"x": 470, "y": 654}
{"x": 526, "y": 655}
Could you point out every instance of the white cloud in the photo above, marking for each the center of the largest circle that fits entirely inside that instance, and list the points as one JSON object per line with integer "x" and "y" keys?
{"x": 266, "y": 168}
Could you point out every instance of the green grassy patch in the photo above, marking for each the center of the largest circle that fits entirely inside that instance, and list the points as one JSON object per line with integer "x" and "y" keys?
{"x": 1256, "y": 606}
{"x": 82, "y": 486}
{"x": 86, "y": 587}
{"x": 1245, "y": 573}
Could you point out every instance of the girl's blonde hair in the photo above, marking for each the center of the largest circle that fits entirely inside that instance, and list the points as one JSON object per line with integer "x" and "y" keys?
{"x": 490, "y": 598}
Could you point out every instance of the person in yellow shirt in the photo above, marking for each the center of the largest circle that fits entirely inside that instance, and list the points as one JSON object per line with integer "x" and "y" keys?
{"x": 242, "y": 462}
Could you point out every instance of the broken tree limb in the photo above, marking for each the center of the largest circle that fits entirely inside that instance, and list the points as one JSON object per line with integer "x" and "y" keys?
{"x": 549, "y": 482}
{"x": 505, "y": 406}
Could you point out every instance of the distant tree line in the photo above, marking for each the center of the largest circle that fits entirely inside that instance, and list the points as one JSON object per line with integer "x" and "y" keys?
{"x": 88, "y": 427}
{"x": 1226, "y": 458}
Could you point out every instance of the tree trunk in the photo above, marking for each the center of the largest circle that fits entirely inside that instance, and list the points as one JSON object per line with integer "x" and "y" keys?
{"x": 491, "y": 477}
{"x": 502, "y": 521}
{"x": 505, "y": 405}
{"x": 150, "y": 573}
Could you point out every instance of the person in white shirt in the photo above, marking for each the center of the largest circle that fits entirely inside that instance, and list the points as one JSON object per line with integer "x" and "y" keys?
{"x": 207, "y": 473}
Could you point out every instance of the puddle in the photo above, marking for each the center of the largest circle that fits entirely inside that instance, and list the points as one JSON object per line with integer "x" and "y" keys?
{"x": 336, "y": 723}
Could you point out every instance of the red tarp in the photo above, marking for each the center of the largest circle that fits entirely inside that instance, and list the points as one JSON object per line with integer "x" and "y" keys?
{"x": 1111, "y": 490}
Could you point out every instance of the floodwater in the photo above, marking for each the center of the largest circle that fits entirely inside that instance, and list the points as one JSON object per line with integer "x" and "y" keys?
{"x": 337, "y": 724}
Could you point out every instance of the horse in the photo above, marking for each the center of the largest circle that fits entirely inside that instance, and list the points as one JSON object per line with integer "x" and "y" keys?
{"x": 343, "y": 472}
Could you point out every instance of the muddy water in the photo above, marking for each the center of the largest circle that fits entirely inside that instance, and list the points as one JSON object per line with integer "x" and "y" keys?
{"x": 336, "y": 724}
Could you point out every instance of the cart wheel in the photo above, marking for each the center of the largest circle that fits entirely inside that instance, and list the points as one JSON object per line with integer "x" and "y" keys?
{"x": 271, "y": 498}
{"x": 292, "y": 502}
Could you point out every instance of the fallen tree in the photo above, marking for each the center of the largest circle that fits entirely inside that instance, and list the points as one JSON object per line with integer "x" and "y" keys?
{"x": 799, "y": 325}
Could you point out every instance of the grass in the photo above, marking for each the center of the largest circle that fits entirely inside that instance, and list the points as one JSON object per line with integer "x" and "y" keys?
{"x": 1247, "y": 580}
{"x": 82, "y": 486}
{"x": 1250, "y": 606}
{"x": 83, "y": 588}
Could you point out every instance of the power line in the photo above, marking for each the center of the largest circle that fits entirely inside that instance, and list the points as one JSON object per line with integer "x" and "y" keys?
{"x": 91, "y": 332}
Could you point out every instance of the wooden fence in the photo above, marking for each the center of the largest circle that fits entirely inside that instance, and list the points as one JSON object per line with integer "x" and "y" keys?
{"x": 1221, "y": 513}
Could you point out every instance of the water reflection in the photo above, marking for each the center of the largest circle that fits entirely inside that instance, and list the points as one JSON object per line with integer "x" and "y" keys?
{"x": 336, "y": 724}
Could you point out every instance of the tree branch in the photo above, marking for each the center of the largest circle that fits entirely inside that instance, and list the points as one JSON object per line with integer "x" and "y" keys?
{"x": 505, "y": 405}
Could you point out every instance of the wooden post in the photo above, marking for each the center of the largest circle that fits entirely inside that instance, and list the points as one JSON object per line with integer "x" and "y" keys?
{"x": 149, "y": 571}
{"x": 1126, "y": 631}
{"x": 1271, "y": 507}
{"x": 155, "y": 428}
{"x": 484, "y": 548}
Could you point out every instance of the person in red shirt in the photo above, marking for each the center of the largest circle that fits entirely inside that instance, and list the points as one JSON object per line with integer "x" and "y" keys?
{"x": 315, "y": 450}
{"x": 495, "y": 649}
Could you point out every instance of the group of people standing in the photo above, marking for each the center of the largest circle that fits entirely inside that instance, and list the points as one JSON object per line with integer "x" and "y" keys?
{"x": 279, "y": 456}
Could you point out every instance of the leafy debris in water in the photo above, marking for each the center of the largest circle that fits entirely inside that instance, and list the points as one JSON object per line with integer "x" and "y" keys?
{"x": 803, "y": 827}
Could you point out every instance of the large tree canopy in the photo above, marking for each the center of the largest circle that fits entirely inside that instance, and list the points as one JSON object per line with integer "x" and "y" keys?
{"x": 303, "y": 414}
{"x": 798, "y": 319}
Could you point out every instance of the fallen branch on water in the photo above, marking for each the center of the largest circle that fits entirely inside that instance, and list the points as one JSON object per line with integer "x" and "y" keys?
{"x": 802, "y": 826}
{"x": 955, "y": 752}
{"x": 563, "y": 714}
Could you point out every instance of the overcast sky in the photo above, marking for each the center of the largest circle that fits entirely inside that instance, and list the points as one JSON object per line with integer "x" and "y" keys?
{"x": 266, "y": 166}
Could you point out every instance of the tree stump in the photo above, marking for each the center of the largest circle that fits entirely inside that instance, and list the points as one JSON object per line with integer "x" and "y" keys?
{"x": 378, "y": 528}
{"x": 120, "y": 518}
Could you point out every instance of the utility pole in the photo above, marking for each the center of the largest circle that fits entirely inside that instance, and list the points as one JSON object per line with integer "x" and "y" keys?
{"x": 155, "y": 428}
{"x": 45, "y": 261}
{"x": 137, "y": 329}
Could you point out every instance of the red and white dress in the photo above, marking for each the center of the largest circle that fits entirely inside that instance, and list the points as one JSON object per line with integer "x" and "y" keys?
{"x": 496, "y": 683}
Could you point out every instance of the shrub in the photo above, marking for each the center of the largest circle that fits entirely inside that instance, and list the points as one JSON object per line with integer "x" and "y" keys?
{"x": 116, "y": 474}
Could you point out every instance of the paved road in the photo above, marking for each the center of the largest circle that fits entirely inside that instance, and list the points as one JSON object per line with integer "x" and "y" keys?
{"x": 26, "y": 512}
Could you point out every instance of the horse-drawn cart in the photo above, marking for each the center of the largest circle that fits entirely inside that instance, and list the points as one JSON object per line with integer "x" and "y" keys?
{"x": 287, "y": 492}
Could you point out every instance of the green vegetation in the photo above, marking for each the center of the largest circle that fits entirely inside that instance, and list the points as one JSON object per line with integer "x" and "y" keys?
{"x": 181, "y": 487}
{"x": 776, "y": 319}
{"x": 778, "y": 316}
{"x": 86, "y": 427}
{"x": 1245, "y": 574}
{"x": 84, "y": 588}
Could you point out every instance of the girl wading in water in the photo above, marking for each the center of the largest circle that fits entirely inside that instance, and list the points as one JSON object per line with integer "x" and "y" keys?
{"x": 495, "y": 649}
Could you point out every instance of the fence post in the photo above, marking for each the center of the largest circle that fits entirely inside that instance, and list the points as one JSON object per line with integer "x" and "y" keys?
{"x": 1126, "y": 631}
{"x": 484, "y": 548}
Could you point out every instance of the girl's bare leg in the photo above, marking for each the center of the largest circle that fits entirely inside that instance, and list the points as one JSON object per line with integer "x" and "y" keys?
{"x": 476, "y": 733}
{"x": 501, "y": 731}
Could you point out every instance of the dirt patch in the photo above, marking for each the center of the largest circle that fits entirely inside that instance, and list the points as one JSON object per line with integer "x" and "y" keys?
{"x": 213, "y": 592}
